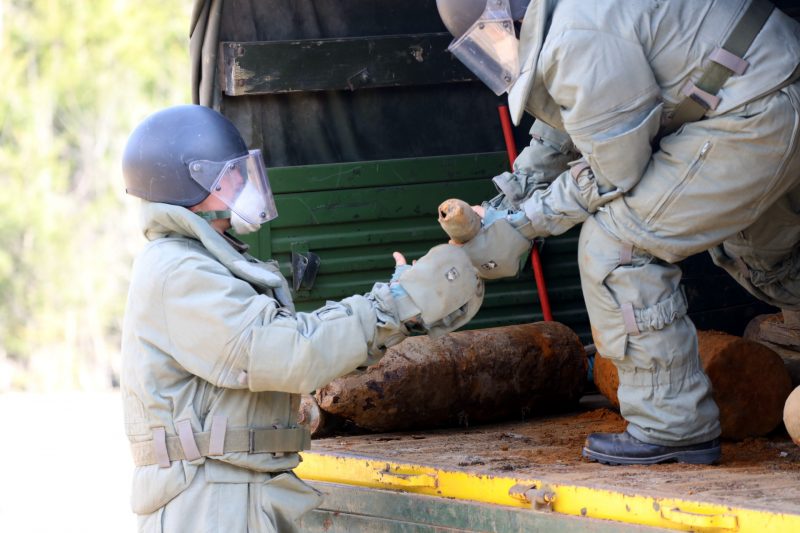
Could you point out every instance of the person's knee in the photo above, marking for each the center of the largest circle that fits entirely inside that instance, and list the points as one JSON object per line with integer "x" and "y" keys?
{"x": 628, "y": 292}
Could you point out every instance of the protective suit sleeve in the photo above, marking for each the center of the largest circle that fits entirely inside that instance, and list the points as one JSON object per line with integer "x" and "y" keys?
{"x": 218, "y": 327}
{"x": 304, "y": 351}
{"x": 535, "y": 168}
{"x": 568, "y": 201}
{"x": 609, "y": 101}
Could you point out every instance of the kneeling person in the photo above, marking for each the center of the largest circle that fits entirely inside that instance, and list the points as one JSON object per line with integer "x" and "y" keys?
{"x": 214, "y": 354}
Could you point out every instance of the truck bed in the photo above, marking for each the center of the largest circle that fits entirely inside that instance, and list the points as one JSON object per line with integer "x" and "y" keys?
{"x": 755, "y": 478}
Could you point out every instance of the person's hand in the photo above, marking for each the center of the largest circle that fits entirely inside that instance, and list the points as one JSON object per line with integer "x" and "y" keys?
{"x": 397, "y": 290}
{"x": 399, "y": 259}
{"x": 400, "y": 266}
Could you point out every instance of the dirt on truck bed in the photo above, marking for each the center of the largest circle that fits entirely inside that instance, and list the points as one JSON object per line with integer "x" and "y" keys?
{"x": 761, "y": 473}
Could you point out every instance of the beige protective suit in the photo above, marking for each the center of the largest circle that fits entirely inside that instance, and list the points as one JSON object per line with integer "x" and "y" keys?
{"x": 606, "y": 74}
{"x": 214, "y": 360}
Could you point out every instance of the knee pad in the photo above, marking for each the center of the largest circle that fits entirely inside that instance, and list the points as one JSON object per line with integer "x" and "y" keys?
{"x": 627, "y": 290}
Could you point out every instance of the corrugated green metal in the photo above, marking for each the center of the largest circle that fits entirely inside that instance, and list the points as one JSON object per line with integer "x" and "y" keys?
{"x": 354, "y": 215}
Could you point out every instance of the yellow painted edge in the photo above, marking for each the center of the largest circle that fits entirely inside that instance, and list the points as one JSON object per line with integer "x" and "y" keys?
{"x": 574, "y": 500}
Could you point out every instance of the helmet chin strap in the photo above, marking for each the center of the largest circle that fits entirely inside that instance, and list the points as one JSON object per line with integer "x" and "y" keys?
{"x": 213, "y": 215}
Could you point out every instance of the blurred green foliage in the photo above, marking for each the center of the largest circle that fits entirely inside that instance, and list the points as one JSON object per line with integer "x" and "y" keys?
{"x": 76, "y": 78}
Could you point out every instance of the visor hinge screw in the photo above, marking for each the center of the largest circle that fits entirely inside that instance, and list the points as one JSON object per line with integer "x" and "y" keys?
{"x": 195, "y": 166}
{"x": 218, "y": 188}
{"x": 263, "y": 214}
{"x": 481, "y": 25}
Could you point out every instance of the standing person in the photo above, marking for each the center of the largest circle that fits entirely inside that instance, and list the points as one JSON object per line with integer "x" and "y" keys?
{"x": 214, "y": 354}
{"x": 683, "y": 117}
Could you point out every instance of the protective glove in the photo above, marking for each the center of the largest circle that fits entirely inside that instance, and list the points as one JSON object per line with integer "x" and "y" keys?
{"x": 439, "y": 293}
{"x": 498, "y": 247}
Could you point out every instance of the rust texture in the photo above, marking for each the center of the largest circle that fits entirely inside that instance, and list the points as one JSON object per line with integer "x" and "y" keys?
{"x": 459, "y": 221}
{"x": 464, "y": 378}
{"x": 750, "y": 383}
{"x": 606, "y": 378}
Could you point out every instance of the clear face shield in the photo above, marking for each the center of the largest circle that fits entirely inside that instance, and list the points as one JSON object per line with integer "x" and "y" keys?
{"x": 242, "y": 185}
{"x": 490, "y": 48}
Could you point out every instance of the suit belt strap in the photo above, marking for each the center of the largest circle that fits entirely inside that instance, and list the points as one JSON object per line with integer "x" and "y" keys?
{"x": 724, "y": 62}
{"x": 161, "y": 450}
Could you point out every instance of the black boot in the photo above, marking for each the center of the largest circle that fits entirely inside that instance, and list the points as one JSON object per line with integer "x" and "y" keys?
{"x": 625, "y": 449}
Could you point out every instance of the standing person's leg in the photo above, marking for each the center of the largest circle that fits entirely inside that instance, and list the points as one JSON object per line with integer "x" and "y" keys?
{"x": 638, "y": 315}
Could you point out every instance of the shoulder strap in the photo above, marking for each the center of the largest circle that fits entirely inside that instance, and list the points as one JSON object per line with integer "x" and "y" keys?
{"x": 724, "y": 62}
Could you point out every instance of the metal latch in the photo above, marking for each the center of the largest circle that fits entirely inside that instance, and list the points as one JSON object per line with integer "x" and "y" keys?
{"x": 305, "y": 266}
{"x": 407, "y": 479}
{"x": 541, "y": 498}
{"x": 701, "y": 521}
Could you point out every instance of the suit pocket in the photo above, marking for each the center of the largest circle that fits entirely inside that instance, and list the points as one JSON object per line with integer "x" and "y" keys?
{"x": 285, "y": 498}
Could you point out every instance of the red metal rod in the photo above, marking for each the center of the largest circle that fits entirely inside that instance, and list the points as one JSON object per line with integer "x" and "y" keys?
{"x": 508, "y": 134}
{"x": 541, "y": 287}
{"x": 536, "y": 261}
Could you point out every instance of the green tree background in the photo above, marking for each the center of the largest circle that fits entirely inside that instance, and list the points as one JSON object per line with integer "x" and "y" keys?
{"x": 76, "y": 78}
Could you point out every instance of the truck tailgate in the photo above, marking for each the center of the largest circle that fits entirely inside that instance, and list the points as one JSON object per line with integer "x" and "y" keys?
{"x": 537, "y": 464}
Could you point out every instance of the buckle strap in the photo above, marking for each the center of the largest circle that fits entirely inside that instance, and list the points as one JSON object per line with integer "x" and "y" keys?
{"x": 579, "y": 166}
{"x": 732, "y": 62}
{"x": 704, "y": 99}
{"x": 216, "y": 439}
{"x": 629, "y": 319}
{"x": 159, "y": 448}
{"x": 151, "y": 452}
{"x": 186, "y": 437}
{"x": 697, "y": 103}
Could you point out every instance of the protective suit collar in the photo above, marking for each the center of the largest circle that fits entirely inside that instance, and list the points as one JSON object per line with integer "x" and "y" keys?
{"x": 532, "y": 35}
{"x": 161, "y": 220}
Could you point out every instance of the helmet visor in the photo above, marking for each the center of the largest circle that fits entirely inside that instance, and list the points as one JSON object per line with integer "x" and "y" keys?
{"x": 241, "y": 184}
{"x": 490, "y": 49}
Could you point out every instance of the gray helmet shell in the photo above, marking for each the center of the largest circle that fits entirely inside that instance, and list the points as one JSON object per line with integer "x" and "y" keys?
{"x": 459, "y": 15}
{"x": 156, "y": 160}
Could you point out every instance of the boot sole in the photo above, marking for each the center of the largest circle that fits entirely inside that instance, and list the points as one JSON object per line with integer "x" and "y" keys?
{"x": 692, "y": 457}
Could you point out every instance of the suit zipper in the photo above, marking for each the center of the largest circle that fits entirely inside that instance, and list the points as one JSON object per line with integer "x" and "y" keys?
{"x": 695, "y": 166}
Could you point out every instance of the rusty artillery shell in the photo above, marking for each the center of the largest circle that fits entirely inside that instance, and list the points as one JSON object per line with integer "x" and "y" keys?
{"x": 467, "y": 377}
{"x": 458, "y": 220}
{"x": 750, "y": 383}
